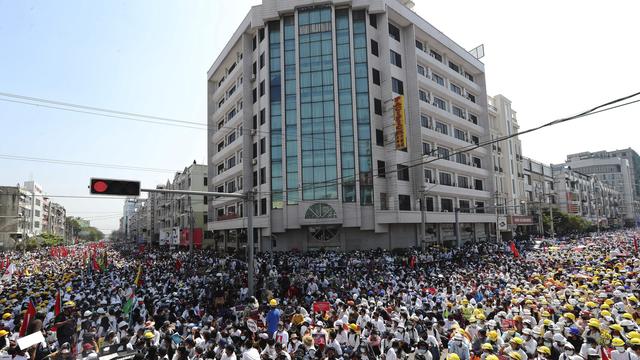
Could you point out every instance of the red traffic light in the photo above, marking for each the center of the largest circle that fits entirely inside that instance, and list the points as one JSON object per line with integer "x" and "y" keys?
{"x": 114, "y": 187}
{"x": 100, "y": 186}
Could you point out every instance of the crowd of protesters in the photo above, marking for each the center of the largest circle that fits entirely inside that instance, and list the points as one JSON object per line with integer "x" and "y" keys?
{"x": 576, "y": 300}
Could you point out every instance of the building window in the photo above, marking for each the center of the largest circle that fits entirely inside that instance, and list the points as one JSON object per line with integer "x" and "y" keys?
{"x": 231, "y": 186}
{"x": 442, "y": 128}
{"x": 377, "y": 106}
{"x": 423, "y": 96}
{"x": 262, "y": 88}
{"x": 374, "y": 47}
{"x": 206, "y": 181}
{"x": 379, "y": 137}
{"x": 205, "y": 200}
{"x": 394, "y": 32}
{"x": 255, "y": 150}
{"x": 439, "y": 103}
{"x": 455, "y": 88}
{"x": 478, "y": 184}
{"x": 263, "y": 206}
{"x": 231, "y": 137}
{"x": 261, "y": 61}
{"x": 464, "y": 206}
{"x": 396, "y": 59}
{"x": 263, "y": 175}
{"x": 445, "y": 179}
{"x": 231, "y": 162}
{"x": 375, "y": 75}
{"x": 404, "y": 202}
{"x": 421, "y": 70}
{"x": 468, "y": 76}
{"x": 419, "y": 45}
{"x": 480, "y": 207}
{"x": 254, "y": 95}
{"x": 262, "y": 117}
{"x": 459, "y": 134}
{"x": 446, "y": 205}
{"x": 220, "y": 145}
{"x": 458, "y": 112}
{"x": 434, "y": 54}
{"x": 428, "y": 176}
{"x": 443, "y": 153}
{"x": 220, "y": 124}
{"x": 426, "y": 148}
{"x": 382, "y": 171}
{"x": 383, "y": 202}
{"x": 231, "y": 91}
{"x": 477, "y": 162}
{"x": 220, "y": 189}
{"x": 220, "y": 168}
{"x": 429, "y": 204}
{"x": 437, "y": 79}
{"x": 454, "y": 67}
{"x": 425, "y": 121}
{"x": 403, "y": 172}
{"x": 263, "y": 145}
{"x": 471, "y": 98}
{"x": 373, "y": 21}
{"x": 397, "y": 86}
{"x": 463, "y": 182}
{"x": 461, "y": 158}
{"x": 475, "y": 139}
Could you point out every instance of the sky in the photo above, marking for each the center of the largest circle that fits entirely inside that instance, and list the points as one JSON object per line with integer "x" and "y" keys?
{"x": 550, "y": 58}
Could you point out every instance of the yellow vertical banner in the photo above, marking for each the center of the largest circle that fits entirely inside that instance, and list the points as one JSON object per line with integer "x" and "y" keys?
{"x": 401, "y": 128}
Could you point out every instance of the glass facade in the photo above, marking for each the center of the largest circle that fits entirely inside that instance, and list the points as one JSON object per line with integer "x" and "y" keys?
{"x": 317, "y": 117}
{"x": 275, "y": 100}
{"x": 291, "y": 118}
{"x": 362, "y": 107}
{"x": 345, "y": 106}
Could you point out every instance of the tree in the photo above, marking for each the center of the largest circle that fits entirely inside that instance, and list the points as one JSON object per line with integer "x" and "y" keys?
{"x": 51, "y": 240}
{"x": 566, "y": 224}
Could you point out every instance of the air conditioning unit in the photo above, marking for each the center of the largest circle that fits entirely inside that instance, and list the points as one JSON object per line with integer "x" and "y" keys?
{"x": 254, "y": 162}
{"x": 253, "y": 77}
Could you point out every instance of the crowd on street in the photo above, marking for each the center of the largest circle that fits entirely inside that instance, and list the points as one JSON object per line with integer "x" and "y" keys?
{"x": 571, "y": 300}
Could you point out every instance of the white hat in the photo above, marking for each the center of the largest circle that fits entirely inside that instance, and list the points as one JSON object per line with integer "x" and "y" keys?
{"x": 87, "y": 313}
{"x": 122, "y": 324}
{"x": 559, "y": 338}
{"x": 100, "y": 311}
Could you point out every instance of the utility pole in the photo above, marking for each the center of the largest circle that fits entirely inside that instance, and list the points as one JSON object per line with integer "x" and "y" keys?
{"x": 248, "y": 208}
{"x": 553, "y": 232}
{"x": 423, "y": 219}
{"x": 458, "y": 238}
{"x": 190, "y": 226}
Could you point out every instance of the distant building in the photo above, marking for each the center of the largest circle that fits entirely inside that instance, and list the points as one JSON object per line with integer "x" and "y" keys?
{"x": 614, "y": 171}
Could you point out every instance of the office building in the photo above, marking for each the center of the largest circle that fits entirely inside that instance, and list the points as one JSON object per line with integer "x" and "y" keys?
{"x": 341, "y": 117}
{"x": 615, "y": 172}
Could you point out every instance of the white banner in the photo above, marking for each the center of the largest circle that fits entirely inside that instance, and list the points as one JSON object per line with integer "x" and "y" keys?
{"x": 175, "y": 236}
{"x": 165, "y": 236}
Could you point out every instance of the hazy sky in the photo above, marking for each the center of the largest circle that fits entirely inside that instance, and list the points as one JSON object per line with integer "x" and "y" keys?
{"x": 551, "y": 58}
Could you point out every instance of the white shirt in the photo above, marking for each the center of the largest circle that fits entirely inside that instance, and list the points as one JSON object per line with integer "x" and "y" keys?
{"x": 391, "y": 354}
{"x": 226, "y": 357}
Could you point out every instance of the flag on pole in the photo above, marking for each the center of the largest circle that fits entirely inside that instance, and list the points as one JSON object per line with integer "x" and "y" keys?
{"x": 514, "y": 250}
{"x": 28, "y": 316}
{"x": 58, "y": 305}
{"x": 635, "y": 243}
{"x": 138, "y": 280}
{"x": 128, "y": 305}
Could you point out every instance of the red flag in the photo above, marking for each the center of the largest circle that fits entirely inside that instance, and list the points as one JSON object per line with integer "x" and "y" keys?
{"x": 514, "y": 250}
{"x": 96, "y": 266}
{"x": 58, "y": 304}
{"x": 64, "y": 252}
{"x": 28, "y": 316}
{"x": 178, "y": 264}
{"x": 635, "y": 243}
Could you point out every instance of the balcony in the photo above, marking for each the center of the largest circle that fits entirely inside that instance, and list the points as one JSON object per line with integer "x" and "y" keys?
{"x": 227, "y": 216}
{"x": 444, "y": 68}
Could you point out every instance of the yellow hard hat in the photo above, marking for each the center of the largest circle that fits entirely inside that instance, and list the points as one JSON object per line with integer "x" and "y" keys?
{"x": 627, "y": 316}
{"x": 69, "y": 304}
{"x": 493, "y": 335}
{"x": 616, "y": 327}
{"x": 3, "y": 333}
{"x": 605, "y": 313}
{"x": 594, "y": 323}
{"x": 453, "y": 356}
{"x": 518, "y": 340}
{"x": 633, "y": 335}
{"x": 634, "y": 341}
{"x": 544, "y": 350}
{"x": 617, "y": 342}
{"x": 569, "y": 315}
{"x": 491, "y": 357}
{"x": 632, "y": 298}
{"x": 6, "y": 316}
{"x": 273, "y": 302}
{"x": 149, "y": 335}
{"x": 548, "y": 322}
{"x": 487, "y": 346}
{"x": 604, "y": 307}
{"x": 568, "y": 307}
{"x": 481, "y": 316}
{"x": 591, "y": 304}
{"x": 515, "y": 355}
{"x": 546, "y": 314}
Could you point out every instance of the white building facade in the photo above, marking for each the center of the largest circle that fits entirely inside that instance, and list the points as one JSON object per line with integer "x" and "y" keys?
{"x": 341, "y": 118}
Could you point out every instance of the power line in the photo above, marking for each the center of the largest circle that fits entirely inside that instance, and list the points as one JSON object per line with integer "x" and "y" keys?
{"x": 93, "y": 108}
{"x": 83, "y": 163}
